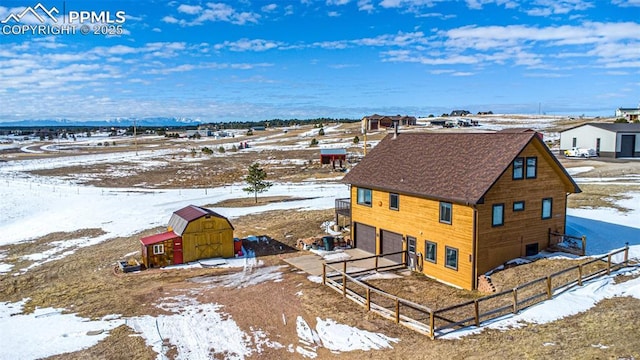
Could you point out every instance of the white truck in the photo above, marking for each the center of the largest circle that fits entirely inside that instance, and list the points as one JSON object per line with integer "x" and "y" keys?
{"x": 580, "y": 152}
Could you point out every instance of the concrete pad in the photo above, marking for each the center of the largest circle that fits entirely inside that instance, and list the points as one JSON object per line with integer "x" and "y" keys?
{"x": 312, "y": 263}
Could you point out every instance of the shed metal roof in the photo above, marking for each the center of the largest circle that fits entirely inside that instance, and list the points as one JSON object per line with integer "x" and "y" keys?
{"x": 154, "y": 239}
{"x": 181, "y": 218}
{"x": 333, "y": 152}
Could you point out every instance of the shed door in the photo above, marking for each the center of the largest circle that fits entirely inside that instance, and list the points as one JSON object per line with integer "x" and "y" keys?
{"x": 391, "y": 242}
{"x": 627, "y": 145}
{"x": 177, "y": 251}
{"x": 365, "y": 237}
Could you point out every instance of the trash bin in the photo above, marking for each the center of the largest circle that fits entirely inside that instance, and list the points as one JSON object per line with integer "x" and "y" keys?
{"x": 328, "y": 243}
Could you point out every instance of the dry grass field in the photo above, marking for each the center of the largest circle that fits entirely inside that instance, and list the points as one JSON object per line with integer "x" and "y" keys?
{"x": 87, "y": 283}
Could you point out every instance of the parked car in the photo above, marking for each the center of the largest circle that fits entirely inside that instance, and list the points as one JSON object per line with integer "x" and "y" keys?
{"x": 580, "y": 152}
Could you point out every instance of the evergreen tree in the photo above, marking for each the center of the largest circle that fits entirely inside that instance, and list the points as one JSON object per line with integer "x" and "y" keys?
{"x": 256, "y": 180}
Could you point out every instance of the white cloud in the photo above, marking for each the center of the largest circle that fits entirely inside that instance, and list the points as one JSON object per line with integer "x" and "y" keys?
{"x": 269, "y": 7}
{"x": 189, "y": 9}
{"x": 248, "y": 45}
{"x": 333, "y": 14}
{"x": 626, "y": 3}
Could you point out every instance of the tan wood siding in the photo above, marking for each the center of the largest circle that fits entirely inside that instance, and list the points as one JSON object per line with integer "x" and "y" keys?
{"x": 207, "y": 237}
{"x": 499, "y": 244}
{"x": 419, "y": 217}
{"x": 159, "y": 260}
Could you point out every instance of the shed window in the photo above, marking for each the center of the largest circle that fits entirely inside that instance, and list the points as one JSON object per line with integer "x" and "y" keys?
{"x": 394, "y": 201}
{"x": 532, "y": 168}
{"x": 451, "y": 258}
{"x": 546, "y": 208}
{"x": 158, "y": 249}
{"x": 518, "y": 168}
{"x": 430, "y": 249}
{"x": 497, "y": 219}
{"x": 364, "y": 196}
{"x": 445, "y": 212}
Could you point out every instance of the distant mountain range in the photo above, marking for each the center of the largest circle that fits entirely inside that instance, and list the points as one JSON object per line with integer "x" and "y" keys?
{"x": 118, "y": 122}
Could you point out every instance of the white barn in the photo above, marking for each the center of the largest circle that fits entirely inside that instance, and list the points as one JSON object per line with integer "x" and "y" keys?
{"x": 608, "y": 139}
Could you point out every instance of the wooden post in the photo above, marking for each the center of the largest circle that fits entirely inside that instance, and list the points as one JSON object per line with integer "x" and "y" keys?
{"x": 515, "y": 300}
{"x": 476, "y": 308}
{"x": 344, "y": 266}
{"x": 324, "y": 274}
{"x": 376, "y": 263}
{"x": 432, "y": 325}
{"x": 344, "y": 284}
{"x": 626, "y": 254}
{"x": 608, "y": 264}
{"x": 368, "y": 299}
{"x": 397, "y": 310}
{"x": 580, "y": 275}
{"x": 549, "y": 289}
{"x": 584, "y": 245}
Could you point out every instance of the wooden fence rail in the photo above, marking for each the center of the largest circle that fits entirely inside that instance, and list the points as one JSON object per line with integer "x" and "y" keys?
{"x": 434, "y": 323}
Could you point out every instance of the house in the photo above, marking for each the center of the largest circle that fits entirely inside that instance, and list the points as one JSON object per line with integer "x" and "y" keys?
{"x": 459, "y": 204}
{"x": 631, "y": 114}
{"x": 330, "y": 156}
{"x": 193, "y": 233}
{"x": 608, "y": 139}
{"x": 460, "y": 113}
{"x": 376, "y": 122}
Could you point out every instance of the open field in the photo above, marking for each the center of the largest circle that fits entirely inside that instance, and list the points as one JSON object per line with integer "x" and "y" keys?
{"x": 84, "y": 281}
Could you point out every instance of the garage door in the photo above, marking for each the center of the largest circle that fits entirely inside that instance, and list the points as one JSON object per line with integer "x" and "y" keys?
{"x": 365, "y": 237}
{"x": 391, "y": 242}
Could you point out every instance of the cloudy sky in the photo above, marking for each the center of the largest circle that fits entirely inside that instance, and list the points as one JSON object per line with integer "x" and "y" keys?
{"x": 254, "y": 60}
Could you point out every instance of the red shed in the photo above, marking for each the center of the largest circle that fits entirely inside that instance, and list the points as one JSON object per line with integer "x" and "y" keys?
{"x": 330, "y": 156}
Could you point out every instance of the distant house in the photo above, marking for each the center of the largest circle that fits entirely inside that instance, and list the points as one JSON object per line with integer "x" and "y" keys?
{"x": 193, "y": 233}
{"x": 459, "y": 204}
{"x": 631, "y": 114}
{"x": 330, "y": 156}
{"x": 485, "y": 112}
{"x": 460, "y": 113}
{"x": 376, "y": 122}
{"x": 608, "y": 139}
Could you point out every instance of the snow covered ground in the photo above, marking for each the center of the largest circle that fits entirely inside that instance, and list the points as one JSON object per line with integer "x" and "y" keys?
{"x": 29, "y": 204}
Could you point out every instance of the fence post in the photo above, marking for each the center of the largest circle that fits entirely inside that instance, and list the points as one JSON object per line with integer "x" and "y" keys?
{"x": 515, "y": 300}
{"x": 344, "y": 266}
{"x": 368, "y": 299}
{"x": 476, "y": 309}
{"x": 376, "y": 263}
{"x": 549, "y": 288}
{"x": 608, "y": 263}
{"x": 324, "y": 274}
{"x": 397, "y": 310}
{"x": 626, "y": 254}
{"x": 580, "y": 274}
{"x": 584, "y": 245}
{"x": 344, "y": 284}
{"x": 432, "y": 325}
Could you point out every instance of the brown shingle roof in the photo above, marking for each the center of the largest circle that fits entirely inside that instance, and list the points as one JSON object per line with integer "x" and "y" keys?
{"x": 181, "y": 218}
{"x": 453, "y": 167}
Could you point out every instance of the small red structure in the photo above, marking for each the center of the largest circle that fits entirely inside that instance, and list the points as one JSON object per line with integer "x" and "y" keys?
{"x": 330, "y": 156}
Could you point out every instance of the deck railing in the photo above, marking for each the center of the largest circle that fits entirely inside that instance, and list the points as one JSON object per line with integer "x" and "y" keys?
{"x": 434, "y": 323}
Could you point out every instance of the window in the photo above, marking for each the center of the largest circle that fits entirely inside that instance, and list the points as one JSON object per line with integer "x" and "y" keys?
{"x": 518, "y": 165}
{"x": 497, "y": 219}
{"x": 364, "y": 196}
{"x": 451, "y": 257}
{"x": 574, "y": 142}
{"x": 445, "y": 212}
{"x": 518, "y": 206}
{"x": 531, "y": 249}
{"x": 158, "y": 249}
{"x": 411, "y": 244}
{"x": 430, "y": 251}
{"x": 546, "y": 208}
{"x": 394, "y": 201}
{"x": 532, "y": 167}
